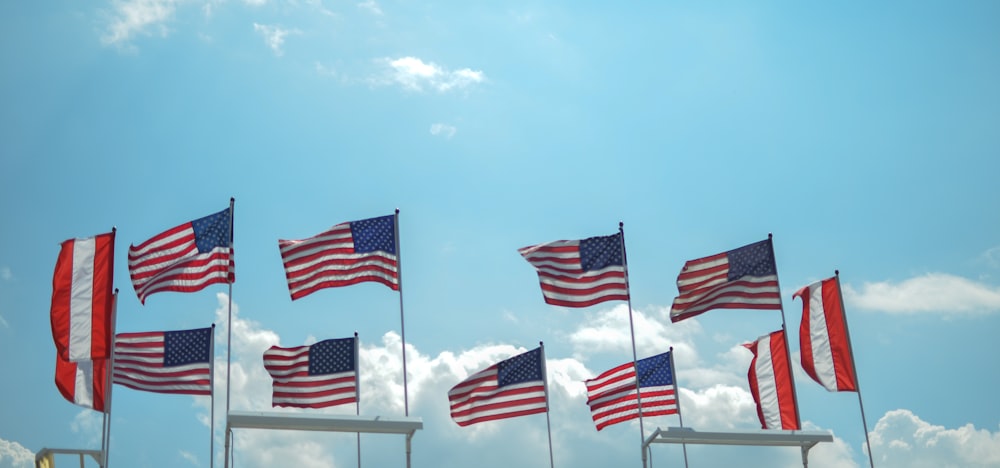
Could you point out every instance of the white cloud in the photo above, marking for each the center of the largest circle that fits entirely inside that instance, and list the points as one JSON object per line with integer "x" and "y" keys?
{"x": 87, "y": 424}
{"x": 444, "y": 130}
{"x": 14, "y": 455}
{"x": 991, "y": 257}
{"x": 274, "y": 36}
{"x": 607, "y": 331}
{"x": 415, "y": 75}
{"x": 3, "y": 322}
{"x": 937, "y": 293}
{"x": 133, "y": 17}
{"x": 902, "y": 439}
{"x": 190, "y": 457}
{"x": 5, "y": 274}
{"x": 371, "y": 6}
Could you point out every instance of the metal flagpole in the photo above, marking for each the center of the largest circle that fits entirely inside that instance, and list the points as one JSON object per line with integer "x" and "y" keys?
{"x": 211, "y": 391}
{"x": 677, "y": 401}
{"x": 109, "y": 383}
{"x": 784, "y": 330}
{"x": 548, "y": 424}
{"x": 229, "y": 328}
{"x": 402, "y": 326}
{"x": 635, "y": 358}
{"x": 857, "y": 384}
{"x": 357, "y": 391}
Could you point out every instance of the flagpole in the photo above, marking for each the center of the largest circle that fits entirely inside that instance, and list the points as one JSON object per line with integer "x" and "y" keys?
{"x": 357, "y": 391}
{"x": 211, "y": 391}
{"x": 857, "y": 384}
{"x": 784, "y": 331}
{"x": 677, "y": 401}
{"x": 229, "y": 327}
{"x": 548, "y": 423}
{"x": 635, "y": 358}
{"x": 402, "y": 325}
{"x": 109, "y": 382}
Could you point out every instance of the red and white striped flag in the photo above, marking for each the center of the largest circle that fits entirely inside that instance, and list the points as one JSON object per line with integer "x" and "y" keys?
{"x": 510, "y": 388}
{"x": 316, "y": 376}
{"x": 771, "y": 385}
{"x": 580, "y": 273}
{"x": 348, "y": 253}
{"x": 186, "y": 258}
{"x": 743, "y": 278}
{"x": 823, "y": 341}
{"x": 165, "y": 362}
{"x": 82, "y": 298}
{"x": 82, "y": 383}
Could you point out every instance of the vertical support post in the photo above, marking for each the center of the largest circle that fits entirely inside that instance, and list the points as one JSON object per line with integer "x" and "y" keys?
{"x": 211, "y": 386}
{"x": 229, "y": 329}
{"x": 357, "y": 390}
{"x": 635, "y": 358}
{"x": 548, "y": 423}
{"x": 857, "y": 380}
{"x": 677, "y": 398}
{"x": 109, "y": 382}
{"x": 784, "y": 330}
{"x": 402, "y": 324}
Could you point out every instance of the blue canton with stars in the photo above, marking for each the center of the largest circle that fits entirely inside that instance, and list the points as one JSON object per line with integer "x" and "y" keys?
{"x": 601, "y": 252}
{"x": 331, "y": 356}
{"x": 756, "y": 259}
{"x": 186, "y": 346}
{"x": 212, "y": 231}
{"x": 375, "y": 234}
{"x": 655, "y": 371}
{"x": 525, "y": 367}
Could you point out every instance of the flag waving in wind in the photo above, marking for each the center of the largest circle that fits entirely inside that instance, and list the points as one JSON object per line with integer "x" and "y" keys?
{"x": 743, "y": 278}
{"x": 316, "y": 376}
{"x": 823, "y": 340}
{"x": 771, "y": 386}
{"x": 580, "y": 273}
{"x": 82, "y": 298}
{"x": 612, "y": 395}
{"x": 82, "y": 383}
{"x": 165, "y": 362}
{"x": 186, "y": 258}
{"x": 348, "y": 253}
{"x": 510, "y": 388}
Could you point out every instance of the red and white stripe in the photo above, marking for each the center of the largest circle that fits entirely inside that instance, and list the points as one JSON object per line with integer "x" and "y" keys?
{"x": 139, "y": 366}
{"x": 82, "y": 383}
{"x": 479, "y": 398}
{"x": 294, "y": 387}
{"x": 823, "y": 341}
{"x": 771, "y": 385}
{"x": 565, "y": 283}
{"x": 170, "y": 262}
{"x": 82, "y": 298}
{"x": 612, "y": 399}
{"x": 328, "y": 260}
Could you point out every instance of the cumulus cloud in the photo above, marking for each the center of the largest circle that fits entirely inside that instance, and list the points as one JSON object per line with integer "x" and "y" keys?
{"x": 3, "y": 323}
{"x": 414, "y": 74}
{"x": 133, "y": 17}
{"x": 371, "y": 6}
{"x": 937, "y": 293}
{"x": 902, "y": 439}
{"x": 189, "y": 457}
{"x": 5, "y": 274}
{"x": 14, "y": 455}
{"x": 87, "y": 424}
{"x": 274, "y": 36}
{"x": 445, "y": 130}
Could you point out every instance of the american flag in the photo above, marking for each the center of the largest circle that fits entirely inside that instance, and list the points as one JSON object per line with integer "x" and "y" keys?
{"x": 743, "y": 278}
{"x": 348, "y": 253}
{"x": 316, "y": 376}
{"x": 186, "y": 258}
{"x": 580, "y": 273}
{"x": 612, "y": 395}
{"x": 510, "y": 388}
{"x": 165, "y": 362}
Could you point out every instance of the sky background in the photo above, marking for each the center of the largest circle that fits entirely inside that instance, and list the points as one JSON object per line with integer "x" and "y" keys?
{"x": 863, "y": 135}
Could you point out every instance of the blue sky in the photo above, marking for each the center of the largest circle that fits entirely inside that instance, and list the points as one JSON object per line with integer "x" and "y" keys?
{"x": 863, "y": 136}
